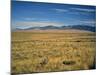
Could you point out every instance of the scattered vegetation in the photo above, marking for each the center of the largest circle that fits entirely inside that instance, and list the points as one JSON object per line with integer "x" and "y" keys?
{"x": 68, "y": 62}
{"x": 45, "y": 51}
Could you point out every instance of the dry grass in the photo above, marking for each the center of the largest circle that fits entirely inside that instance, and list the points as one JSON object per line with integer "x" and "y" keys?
{"x": 45, "y": 51}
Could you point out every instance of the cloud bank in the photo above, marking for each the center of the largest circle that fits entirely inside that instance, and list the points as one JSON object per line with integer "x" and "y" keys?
{"x": 24, "y": 24}
{"x": 84, "y": 9}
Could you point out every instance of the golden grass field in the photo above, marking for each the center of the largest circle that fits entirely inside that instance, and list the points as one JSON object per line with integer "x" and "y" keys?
{"x": 52, "y": 50}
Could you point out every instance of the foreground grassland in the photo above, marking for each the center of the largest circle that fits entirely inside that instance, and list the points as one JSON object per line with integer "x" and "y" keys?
{"x": 52, "y": 50}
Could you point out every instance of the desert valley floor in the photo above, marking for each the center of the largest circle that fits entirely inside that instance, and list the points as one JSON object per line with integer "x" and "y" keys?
{"x": 52, "y": 50}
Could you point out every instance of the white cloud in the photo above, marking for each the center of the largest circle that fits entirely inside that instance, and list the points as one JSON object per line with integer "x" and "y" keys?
{"x": 60, "y": 10}
{"x": 29, "y": 19}
{"x": 84, "y": 10}
{"x": 89, "y": 22}
{"x": 35, "y": 19}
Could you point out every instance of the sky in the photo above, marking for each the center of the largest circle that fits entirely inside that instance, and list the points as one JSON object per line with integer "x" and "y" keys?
{"x": 34, "y": 14}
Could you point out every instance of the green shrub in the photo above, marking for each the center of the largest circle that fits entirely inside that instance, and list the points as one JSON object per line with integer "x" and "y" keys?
{"x": 65, "y": 62}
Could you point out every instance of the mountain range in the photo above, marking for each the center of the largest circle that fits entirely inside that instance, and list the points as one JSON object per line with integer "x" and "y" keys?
{"x": 79, "y": 27}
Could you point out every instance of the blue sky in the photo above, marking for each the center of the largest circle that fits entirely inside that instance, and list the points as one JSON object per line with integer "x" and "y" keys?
{"x": 33, "y": 14}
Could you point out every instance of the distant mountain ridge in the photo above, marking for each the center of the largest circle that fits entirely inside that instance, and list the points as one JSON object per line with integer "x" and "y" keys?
{"x": 79, "y": 27}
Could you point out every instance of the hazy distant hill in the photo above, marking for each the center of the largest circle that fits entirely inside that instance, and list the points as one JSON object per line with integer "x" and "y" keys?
{"x": 79, "y": 27}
